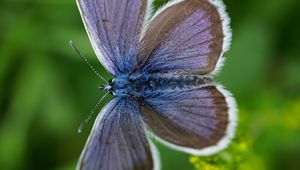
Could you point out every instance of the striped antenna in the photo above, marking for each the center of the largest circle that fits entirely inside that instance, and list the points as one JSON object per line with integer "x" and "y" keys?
{"x": 84, "y": 123}
{"x": 86, "y": 60}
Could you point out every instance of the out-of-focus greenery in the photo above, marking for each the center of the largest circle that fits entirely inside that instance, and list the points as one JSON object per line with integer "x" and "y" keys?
{"x": 46, "y": 90}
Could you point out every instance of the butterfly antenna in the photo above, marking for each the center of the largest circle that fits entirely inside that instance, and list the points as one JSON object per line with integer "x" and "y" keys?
{"x": 86, "y": 60}
{"x": 84, "y": 123}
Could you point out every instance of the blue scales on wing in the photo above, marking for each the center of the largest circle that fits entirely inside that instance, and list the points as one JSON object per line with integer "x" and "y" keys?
{"x": 117, "y": 140}
{"x": 184, "y": 38}
{"x": 197, "y": 120}
{"x": 114, "y": 28}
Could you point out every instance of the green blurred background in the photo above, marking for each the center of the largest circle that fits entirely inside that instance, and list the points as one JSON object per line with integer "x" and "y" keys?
{"x": 46, "y": 90}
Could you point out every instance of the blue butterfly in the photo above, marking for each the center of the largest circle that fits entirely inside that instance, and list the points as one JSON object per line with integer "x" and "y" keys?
{"x": 163, "y": 67}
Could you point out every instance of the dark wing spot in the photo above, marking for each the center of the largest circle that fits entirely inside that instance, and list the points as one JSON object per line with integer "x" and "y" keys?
{"x": 105, "y": 20}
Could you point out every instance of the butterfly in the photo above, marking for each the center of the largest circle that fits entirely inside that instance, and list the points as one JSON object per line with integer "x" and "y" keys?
{"x": 163, "y": 87}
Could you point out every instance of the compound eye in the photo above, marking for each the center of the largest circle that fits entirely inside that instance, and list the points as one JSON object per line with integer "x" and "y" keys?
{"x": 112, "y": 93}
{"x": 111, "y": 81}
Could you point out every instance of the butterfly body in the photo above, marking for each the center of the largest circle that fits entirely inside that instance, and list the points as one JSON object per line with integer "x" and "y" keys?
{"x": 163, "y": 85}
{"x": 139, "y": 85}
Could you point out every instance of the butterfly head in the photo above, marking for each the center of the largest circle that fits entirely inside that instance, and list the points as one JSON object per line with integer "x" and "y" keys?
{"x": 120, "y": 86}
{"x": 107, "y": 87}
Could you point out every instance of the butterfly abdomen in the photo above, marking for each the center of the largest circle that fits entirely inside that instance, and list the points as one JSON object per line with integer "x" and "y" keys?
{"x": 137, "y": 85}
{"x": 166, "y": 82}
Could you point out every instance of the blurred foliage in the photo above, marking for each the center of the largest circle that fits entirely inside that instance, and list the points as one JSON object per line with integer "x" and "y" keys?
{"x": 46, "y": 90}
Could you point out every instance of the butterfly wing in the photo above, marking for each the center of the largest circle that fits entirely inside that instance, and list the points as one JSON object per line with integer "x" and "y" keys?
{"x": 114, "y": 28}
{"x": 117, "y": 140}
{"x": 198, "y": 121}
{"x": 185, "y": 37}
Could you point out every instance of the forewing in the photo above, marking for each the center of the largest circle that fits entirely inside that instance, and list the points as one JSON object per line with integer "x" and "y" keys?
{"x": 117, "y": 140}
{"x": 185, "y": 37}
{"x": 198, "y": 121}
{"x": 114, "y": 29}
